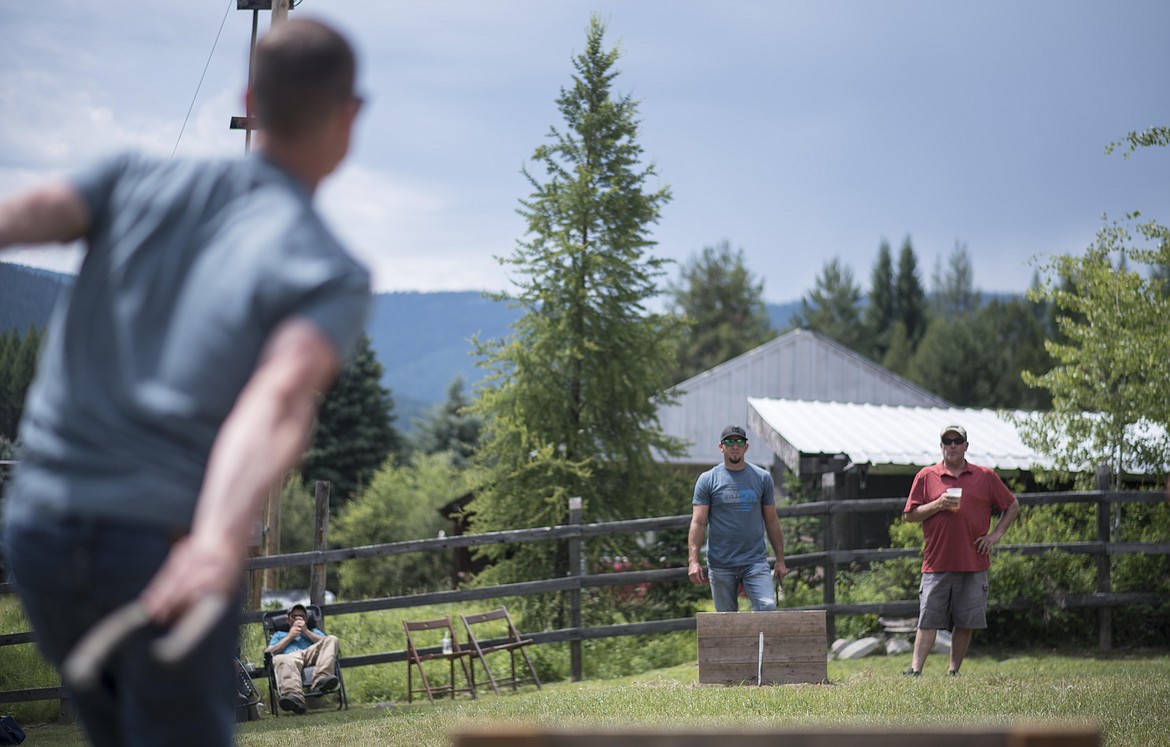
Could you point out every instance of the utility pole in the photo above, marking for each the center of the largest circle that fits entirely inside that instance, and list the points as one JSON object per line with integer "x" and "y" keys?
{"x": 266, "y": 540}
{"x": 279, "y": 10}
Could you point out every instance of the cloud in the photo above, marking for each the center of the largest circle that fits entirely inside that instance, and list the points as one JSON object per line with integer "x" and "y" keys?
{"x": 412, "y": 235}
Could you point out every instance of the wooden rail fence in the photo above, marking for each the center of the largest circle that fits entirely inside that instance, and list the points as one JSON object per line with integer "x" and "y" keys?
{"x": 1103, "y": 548}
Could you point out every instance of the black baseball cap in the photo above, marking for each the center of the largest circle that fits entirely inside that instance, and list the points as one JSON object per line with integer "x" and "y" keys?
{"x": 733, "y": 431}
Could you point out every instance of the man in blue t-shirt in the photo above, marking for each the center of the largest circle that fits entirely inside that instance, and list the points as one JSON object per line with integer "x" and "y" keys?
{"x": 179, "y": 380}
{"x": 735, "y": 504}
{"x": 296, "y": 648}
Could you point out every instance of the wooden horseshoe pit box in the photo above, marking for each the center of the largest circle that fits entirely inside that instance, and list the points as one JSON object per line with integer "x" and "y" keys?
{"x": 793, "y": 649}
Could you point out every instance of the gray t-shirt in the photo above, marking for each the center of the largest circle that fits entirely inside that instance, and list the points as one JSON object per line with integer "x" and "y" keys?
{"x": 190, "y": 266}
{"x": 735, "y": 521}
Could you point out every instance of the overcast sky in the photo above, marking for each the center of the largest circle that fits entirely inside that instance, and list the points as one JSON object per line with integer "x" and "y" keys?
{"x": 799, "y": 131}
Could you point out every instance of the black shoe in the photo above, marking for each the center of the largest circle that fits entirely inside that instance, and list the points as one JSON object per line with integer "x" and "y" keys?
{"x": 953, "y": 672}
{"x": 288, "y": 703}
{"x": 328, "y": 684}
{"x": 912, "y": 673}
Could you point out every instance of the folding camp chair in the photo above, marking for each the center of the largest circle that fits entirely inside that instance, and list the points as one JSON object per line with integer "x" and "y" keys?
{"x": 512, "y": 644}
{"x": 247, "y": 696}
{"x": 415, "y": 657}
{"x": 277, "y": 620}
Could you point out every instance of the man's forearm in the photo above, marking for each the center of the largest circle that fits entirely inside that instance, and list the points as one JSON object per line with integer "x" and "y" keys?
{"x": 694, "y": 542}
{"x": 52, "y": 213}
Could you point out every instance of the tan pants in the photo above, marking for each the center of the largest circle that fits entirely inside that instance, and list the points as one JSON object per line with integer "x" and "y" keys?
{"x": 289, "y": 667}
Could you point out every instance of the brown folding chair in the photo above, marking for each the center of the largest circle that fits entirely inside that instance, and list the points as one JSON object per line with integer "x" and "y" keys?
{"x": 512, "y": 644}
{"x": 415, "y": 657}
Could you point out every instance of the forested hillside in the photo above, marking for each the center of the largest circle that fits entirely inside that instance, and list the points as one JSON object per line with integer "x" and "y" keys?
{"x": 421, "y": 339}
{"x": 27, "y": 296}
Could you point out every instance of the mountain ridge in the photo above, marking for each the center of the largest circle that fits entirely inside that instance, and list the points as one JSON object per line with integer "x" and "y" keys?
{"x": 421, "y": 338}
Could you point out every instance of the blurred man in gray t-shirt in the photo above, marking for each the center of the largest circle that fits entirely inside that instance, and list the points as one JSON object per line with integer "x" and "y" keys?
{"x": 178, "y": 381}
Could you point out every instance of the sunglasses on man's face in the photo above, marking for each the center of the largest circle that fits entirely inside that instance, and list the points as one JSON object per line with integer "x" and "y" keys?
{"x": 952, "y": 441}
{"x": 734, "y": 442}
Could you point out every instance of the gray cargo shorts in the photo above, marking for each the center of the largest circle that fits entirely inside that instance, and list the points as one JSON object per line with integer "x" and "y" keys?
{"x": 953, "y": 599}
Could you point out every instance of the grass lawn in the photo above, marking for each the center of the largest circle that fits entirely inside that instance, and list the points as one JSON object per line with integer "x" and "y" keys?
{"x": 1127, "y": 695}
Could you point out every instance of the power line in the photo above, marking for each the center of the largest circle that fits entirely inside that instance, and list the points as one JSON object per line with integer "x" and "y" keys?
{"x": 206, "y": 65}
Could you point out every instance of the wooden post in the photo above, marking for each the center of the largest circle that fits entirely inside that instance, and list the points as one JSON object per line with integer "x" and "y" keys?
{"x": 318, "y": 571}
{"x": 829, "y": 545}
{"x": 279, "y": 12}
{"x": 1104, "y": 561}
{"x": 272, "y": 534}
{"x": 575, "y": 592}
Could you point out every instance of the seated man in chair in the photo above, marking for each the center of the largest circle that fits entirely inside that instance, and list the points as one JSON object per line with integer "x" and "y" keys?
{"x": 300, "y": 647}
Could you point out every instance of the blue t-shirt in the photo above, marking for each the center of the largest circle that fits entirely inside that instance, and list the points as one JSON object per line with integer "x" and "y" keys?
{"x": 300, "y": 643}
{"x": 735, "y": 521}
{"x": 189, "y": 267}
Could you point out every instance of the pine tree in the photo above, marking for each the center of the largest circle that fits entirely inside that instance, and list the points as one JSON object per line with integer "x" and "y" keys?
{"x": 451, "y": 427}
{"x": 833, "y": 308}
{"x": 954, "y": 290}
{"x": 909, "y": 297}
{"x": 570, "y": 403}
{"x": 880, "y": 313}
{"x": 355, "y": 429}
{"x": 722, "y": 303}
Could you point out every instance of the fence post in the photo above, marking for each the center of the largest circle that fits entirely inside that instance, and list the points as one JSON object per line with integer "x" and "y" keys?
{"x": 318, "y": 571}
{"x": 1104, "y": 560}
{"x": 575, "y": 592}
{"x": 829, "y": 545}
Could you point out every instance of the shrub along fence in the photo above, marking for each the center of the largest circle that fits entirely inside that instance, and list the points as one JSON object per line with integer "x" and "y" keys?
{"x": 575, "y": 533}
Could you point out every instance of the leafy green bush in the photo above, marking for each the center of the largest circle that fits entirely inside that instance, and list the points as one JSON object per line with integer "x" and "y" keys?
{"x": 401, "y": 503}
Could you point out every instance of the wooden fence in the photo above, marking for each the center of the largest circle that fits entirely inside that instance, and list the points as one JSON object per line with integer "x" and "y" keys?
{"x": 574, "y": 533}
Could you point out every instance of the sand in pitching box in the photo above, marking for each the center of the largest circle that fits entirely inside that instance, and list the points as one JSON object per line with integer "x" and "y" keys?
{"x": 794, "y": 647}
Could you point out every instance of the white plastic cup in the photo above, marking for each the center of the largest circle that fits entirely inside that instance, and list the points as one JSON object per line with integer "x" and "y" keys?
{"x": 955, "y": 494}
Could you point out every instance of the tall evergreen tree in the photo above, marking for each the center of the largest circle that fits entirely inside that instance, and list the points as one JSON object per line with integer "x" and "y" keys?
{"x": 833, "y": 307}
{"x": 570, "y": 403}
{"x": 909, "y": 297}
{"x": 954, "y": 289}
{"x": 451, "y": 427}
{"x": 18, "y": 365}
{"x": 355, "y": 429}
{"x": 722, "y": 303}
{"x": 880, "y": 311}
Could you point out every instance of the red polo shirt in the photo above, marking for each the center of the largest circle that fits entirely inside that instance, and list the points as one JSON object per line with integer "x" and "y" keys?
{"x": 950, "y": 535}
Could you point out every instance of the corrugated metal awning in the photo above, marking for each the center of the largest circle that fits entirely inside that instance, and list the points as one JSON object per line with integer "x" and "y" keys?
{"x": 885, "y": 434}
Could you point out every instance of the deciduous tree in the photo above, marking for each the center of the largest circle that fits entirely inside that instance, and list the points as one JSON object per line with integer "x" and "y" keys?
{"x": 1111, "y": 372}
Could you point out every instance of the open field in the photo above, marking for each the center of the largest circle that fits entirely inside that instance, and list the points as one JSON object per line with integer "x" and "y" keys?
{"x": 1127, "y": 694}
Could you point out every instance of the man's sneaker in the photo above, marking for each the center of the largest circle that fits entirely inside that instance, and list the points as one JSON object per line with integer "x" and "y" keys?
{"x": 289, "y": 703}
{"x": 328, "y": 684}
{"x": 911, "y": 672}
{"x": 953, "y": 672}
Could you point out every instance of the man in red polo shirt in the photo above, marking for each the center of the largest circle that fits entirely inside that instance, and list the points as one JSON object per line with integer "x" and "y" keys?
{"x": 955, "y": 525}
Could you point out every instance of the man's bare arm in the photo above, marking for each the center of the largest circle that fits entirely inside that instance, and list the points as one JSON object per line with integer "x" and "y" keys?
{"x": 776, "y": 537}
{"x": 699, "y": 514}
{"x": 263, "y": 436}
{"x": 55, "y": 212}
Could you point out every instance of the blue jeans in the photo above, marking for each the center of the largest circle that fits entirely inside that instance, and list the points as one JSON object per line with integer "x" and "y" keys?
{"x": 71, "y": 572}
{"x": 757, "y": 584}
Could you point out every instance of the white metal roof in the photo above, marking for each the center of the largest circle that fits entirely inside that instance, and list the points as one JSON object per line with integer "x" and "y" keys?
{"x": 885, "y": 434}
{"x": 800, "y": 364}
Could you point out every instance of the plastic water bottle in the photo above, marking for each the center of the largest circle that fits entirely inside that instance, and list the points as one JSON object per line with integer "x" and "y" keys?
{"x": 446, "y": 643}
